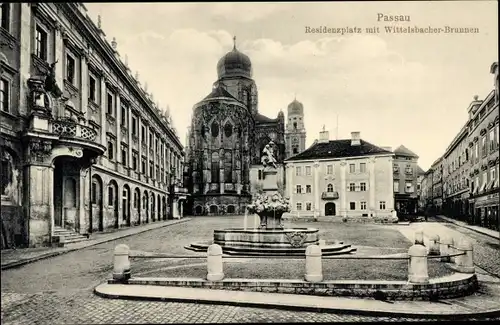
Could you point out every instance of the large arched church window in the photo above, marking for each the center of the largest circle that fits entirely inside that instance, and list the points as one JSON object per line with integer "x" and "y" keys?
{"x": 329, "y": 188}
{"x": 228, "y": 167}
{"x": 228, "y": 130}
{"x": 215, "y": 129}
{"x": 215, "y": 168}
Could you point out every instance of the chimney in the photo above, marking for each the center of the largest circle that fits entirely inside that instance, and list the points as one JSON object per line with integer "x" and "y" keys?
{"x": 355, "y": 139}
{"x": 387, "y": 148}
{"x": 324, "y": 136}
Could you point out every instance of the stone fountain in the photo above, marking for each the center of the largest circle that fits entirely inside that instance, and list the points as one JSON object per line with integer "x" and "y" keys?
{"x": 270, "y": 238}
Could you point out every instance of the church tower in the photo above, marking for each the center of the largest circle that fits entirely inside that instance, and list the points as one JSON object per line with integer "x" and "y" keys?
{"x": 295, "y": 132}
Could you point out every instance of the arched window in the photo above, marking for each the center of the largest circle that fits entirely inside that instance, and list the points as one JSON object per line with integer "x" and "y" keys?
{"x": 215, "y": 129}
{"x": 7, "y": 173}
{"x": 228, "y": 167}
{"x": 215, "y": 168}
{"x": 329, "y": 188}
{"x": 228, "y": 130}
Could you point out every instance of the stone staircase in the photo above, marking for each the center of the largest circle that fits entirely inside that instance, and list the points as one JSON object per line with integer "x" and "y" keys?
{"x": 62, "y": 237}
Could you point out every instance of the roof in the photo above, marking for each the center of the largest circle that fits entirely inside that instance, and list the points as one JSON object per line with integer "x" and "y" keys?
{"x": 259, "y": 118}
{"x": 218, "y": 92}
{"x": 403, "y": 151}
{"x": 338, "y": 149}
{"x": 420, "y": 171}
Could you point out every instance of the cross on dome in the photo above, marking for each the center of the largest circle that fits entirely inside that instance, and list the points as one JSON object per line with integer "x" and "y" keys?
{"x": 234, "y": 42}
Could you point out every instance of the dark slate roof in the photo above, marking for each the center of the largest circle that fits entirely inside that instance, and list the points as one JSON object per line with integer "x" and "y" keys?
{"x": 403, "y": 151}
{"x": 338, "y": 149}
{"x": 259, "y": 118}
{"x": 219, "y": 92}
{"x": 420, "y": 171}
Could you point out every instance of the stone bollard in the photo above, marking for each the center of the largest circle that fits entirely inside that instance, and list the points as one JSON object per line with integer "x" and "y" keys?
{"x": 322, "y": 243}
{"x": 214, "y": 263}
{"x": 121, "y": 263}
{"x": 465, "y": 263}
{"x": 444, "y": 248}
{"x": 314, "y": 266}
{"x": 434, "y": 245}
{"x": 419, "y": 237}
{"x": 417, "y": 264}
{"x": 452, "y": 249}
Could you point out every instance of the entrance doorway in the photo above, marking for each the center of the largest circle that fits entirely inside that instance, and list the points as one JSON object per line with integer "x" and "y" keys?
{"x": 113, "y": 201}
{"x": 126, "y": 205}
{"x": 330, "y": 209}
{"x": 97, "y": 204}
{"x": 65, "y": 199}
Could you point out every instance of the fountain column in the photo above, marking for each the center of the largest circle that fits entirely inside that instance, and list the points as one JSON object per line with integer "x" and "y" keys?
{"x": 289, "y": 182}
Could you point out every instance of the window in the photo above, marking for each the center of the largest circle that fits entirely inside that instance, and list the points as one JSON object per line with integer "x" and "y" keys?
{"x": 484, "y": 150}
{"x": 308, "y": 206}
{"x": 124, "y": 156}
{"x": 111, "y": 194}
{"x": 363, "y": 205}
{"x": 308, "y": 170}
{"x": 134, "y": 161}
{"x": 362, "y": 187}
{"x": 134, "y": 125}
{"x": 143, "y": 133}
{"x": 143, "y": 165}
{"x": 329, "y": 188}
{"x": 299, "y": 189}
{"x": 409, "y": 169}
{"x": 492, "y": 140}
{"x": 111, "y": 150}
{"x": 5, "y": 15}
{"x": 151, "y": 140}
{"x": 409, "y": 187}
{"x": 396, "y": 186}
{"x": 329, "y": 169}
{"x": 395, "y": 168}
{"x": 493, "y": 174}
{"x": 352, "y": 187}
{"x": 260, "y": 174}
{"x": 124, "y": 115}
{"x": 41, "y": 43}
{"x": 352, "y": 205}
{"x": 151, "y": 171}
{"x": 295, "y": 150}
{"x": 94, "y": 192}
{"x": 382, "y": 205}
{"x": 110, "y": 104}
{"x": 299, "y": 206}
{"x": 70, "y": 69}
{"x": 5, "y": 95}
{"x": 418, "y": 187}
{"x": 298, "y": 171}
{"x": 308, "y": 188}
{"x": 476, "y": 151}
{"x": 352, "y": 168}
{"x": 92, "y": 88}
{"x": 362, "y": 167}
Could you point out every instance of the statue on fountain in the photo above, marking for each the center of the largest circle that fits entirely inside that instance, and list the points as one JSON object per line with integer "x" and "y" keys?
{"x": 269, "y": 205}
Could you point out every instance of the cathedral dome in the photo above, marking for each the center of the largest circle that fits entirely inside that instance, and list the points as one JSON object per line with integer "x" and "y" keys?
{"x": 234, "y": 64}
{"x": 295, "y": 108}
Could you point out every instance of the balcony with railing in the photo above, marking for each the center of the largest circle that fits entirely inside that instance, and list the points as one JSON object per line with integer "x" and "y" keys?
{"x": 330, "y": 195}
{"x": 72, "y": 132}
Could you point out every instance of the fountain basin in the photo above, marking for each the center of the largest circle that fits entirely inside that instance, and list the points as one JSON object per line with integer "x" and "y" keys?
{"x": 275, "y": 242}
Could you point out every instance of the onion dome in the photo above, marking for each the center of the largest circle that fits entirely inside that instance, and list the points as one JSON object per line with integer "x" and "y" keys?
{"x": 234, "y": 64}
{"x": 295, "y": 108}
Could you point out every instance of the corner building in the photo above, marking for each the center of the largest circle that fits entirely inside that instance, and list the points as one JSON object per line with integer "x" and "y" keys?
{"x": 349, "y": 177}
{"x": 226, "y": 139}
{"x": 83, "y": 146}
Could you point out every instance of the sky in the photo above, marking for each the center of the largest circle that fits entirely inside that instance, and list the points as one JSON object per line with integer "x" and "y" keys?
{"x": 410, "y": 89}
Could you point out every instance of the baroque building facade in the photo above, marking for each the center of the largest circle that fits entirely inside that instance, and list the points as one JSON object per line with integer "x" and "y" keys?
{"x": 469, "y": 169}
{"x": 84, "y": 147}
{"x": 226, "y": 139}
{"x": 405, "y": 168}
{"x": 349, "y": 177}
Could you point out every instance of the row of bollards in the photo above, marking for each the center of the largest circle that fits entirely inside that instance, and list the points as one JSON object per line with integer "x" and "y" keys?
{"x": 418, "y": 254}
